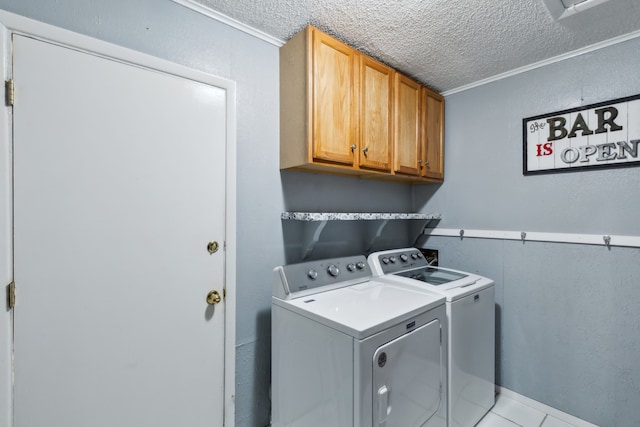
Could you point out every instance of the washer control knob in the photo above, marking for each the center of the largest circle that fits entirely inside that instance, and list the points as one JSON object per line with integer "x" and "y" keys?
{"x": 351, "y": 267}
{"x": 385, "y": 260}
{"x": 414, "y": 256}
{"x": 419, "y": 254}
{"x": 333, "y": 270}
{"x": 392, "y": 259}
{"x": 312, "y": 274}
{"x": 360, "y": 265}
{"x": 404, "y": 258}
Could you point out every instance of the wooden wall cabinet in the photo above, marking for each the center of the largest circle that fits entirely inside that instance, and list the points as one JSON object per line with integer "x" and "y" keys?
{"x": 407, "y": 126}
{"x": 334, "y": 99}
{"x": 343, "y": 112}
{"x": 376, "y": 114}
{"x": 318, "y": 99}
{"x": 432, "y": 134}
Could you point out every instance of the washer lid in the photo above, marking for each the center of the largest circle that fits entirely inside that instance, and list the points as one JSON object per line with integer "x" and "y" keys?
{"x": 364, "y": 309}
{"x": 438, "y": 276}
{"x": 409, "y": 266}
{"x": 441, "y": 281}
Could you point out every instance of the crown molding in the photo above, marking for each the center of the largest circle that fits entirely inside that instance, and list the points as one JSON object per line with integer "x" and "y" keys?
{"x": 545, "y": 62}
{"x": 225, "y": 19}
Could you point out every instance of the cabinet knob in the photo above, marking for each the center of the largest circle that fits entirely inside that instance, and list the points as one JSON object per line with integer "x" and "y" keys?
{"x": 365, "y": 150}
{"x": 427, "y": 163}
{"x": 420, "y": 162}
{"x": 353, "y": 147}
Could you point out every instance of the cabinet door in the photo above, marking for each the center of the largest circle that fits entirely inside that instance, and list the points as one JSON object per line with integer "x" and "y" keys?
{"x": 432, "y": 135}
{"x": 407, "y": 126}
{"x": 376, "y": 106}
{"x": 334, "y": 100}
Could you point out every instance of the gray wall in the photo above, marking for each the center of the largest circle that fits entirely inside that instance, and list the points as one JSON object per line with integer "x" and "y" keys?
{"x": 305, "y": 192}
{"x": 569, "y": 315}
{"x": 170, "y": 31}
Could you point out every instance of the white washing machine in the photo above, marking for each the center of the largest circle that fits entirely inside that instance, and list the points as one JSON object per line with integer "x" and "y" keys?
{"x": 349, "y": 351}
{"x": 470, "y": 303}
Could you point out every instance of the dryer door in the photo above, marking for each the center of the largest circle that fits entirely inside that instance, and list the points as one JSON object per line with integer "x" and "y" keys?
{"x": 407, "y": 377}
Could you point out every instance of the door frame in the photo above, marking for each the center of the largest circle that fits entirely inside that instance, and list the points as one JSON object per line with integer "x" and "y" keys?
{"x": 15, "y": 24}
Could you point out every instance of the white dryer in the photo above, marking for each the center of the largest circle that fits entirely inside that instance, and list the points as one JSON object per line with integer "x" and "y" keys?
{"x": 348, "y": 351}
{"x": 470, "y": 303}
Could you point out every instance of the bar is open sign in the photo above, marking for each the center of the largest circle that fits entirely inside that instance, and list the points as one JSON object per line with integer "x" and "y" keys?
{"x": 600, "y": 135}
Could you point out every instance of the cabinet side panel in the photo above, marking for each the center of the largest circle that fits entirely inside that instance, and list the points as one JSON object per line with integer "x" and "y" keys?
{"x": 293, "y": 102}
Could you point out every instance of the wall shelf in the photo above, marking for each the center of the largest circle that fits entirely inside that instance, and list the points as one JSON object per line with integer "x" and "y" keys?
{"x": 315, "y": 223}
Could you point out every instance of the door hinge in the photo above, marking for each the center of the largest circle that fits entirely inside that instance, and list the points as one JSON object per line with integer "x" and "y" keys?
{"x": 11, "y": 295}
{"x": 9, "y": 92}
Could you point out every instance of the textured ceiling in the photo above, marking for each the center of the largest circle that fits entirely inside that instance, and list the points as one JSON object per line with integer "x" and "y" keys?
{"x": 445, "y": 44}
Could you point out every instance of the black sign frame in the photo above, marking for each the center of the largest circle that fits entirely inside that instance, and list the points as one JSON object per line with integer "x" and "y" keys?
{"x": 527, "y": 172}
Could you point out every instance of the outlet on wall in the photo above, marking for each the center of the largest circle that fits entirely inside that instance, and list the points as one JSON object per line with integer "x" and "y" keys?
{"x": 431, "y": 255}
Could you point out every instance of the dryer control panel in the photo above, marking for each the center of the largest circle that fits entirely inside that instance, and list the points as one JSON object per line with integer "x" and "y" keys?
{"x": 306, "y": 278}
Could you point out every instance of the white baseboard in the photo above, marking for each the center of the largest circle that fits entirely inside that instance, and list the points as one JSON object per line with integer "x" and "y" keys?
{"x": 562, "y": 416}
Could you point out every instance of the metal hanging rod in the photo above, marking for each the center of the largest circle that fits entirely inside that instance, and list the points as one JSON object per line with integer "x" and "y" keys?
{"x": 531, "y": 236}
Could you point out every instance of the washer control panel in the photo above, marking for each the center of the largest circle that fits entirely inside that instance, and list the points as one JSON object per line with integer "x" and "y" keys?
{"x": 318, "y": 276}
{"x": 403, "y": 259}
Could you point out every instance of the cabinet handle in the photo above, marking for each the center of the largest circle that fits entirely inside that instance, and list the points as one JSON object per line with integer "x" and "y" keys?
{"x": 365, "y": 150}
{"x": 420, "y": 162}
{"x": 353, "y": 147}
{"x": 427, "y": 163}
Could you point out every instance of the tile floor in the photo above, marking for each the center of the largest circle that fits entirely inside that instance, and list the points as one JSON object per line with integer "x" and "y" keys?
{"x": 510, "y": 413}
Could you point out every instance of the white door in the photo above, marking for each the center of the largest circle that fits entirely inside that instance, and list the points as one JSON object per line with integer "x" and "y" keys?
{"x": 118, "y": 188}
{"x": 407, "y": 376}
